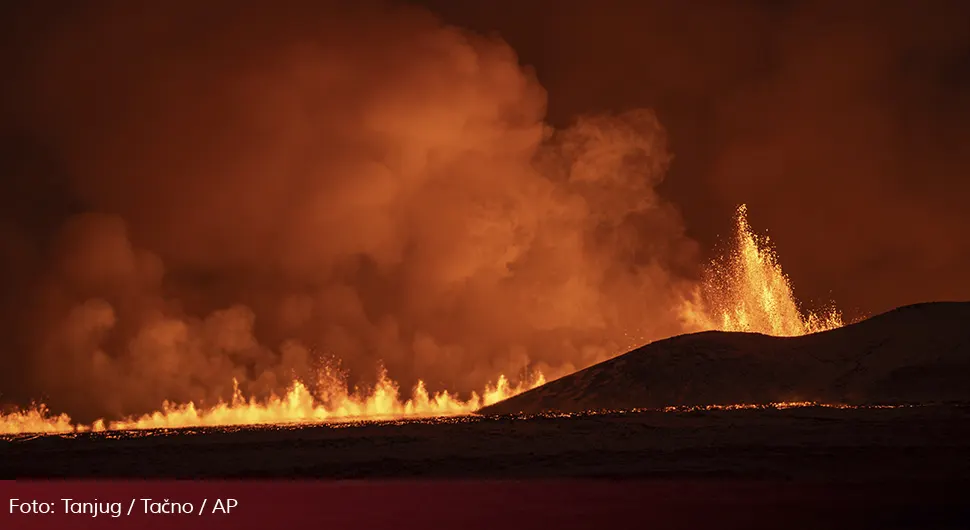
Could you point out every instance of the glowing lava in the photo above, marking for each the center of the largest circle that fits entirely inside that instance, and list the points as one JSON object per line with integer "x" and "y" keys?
{"x": 744, "y": 291}
{"x": 298, "y": 405}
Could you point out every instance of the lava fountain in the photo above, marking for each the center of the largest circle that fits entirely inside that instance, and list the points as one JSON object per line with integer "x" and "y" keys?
{"x": 297, "y": 405}
{"x": 744, "y": 290}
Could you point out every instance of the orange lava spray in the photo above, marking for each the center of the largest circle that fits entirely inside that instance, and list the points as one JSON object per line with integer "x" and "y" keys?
{"x": 746, "y": 290}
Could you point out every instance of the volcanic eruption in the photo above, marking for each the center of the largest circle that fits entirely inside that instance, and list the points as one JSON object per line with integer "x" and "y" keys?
{"x": 744, "y": 290}
{"x": 286, "y": 221}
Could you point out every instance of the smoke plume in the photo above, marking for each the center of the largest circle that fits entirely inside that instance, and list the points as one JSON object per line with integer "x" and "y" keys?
{"x": 842, "y": 125}
{"x": 222, "y": 191}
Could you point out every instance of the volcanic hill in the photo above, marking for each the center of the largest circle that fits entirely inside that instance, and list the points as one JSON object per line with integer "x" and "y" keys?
{"x": 914, "y": 354}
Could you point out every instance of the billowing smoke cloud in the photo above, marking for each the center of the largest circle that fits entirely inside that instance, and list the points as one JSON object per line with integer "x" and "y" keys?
{"x": 244, "y": 192}
{"x": 842, "y": 125}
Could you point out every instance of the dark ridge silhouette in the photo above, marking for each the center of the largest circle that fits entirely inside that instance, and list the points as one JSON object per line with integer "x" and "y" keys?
{"x": 913, "y": 354}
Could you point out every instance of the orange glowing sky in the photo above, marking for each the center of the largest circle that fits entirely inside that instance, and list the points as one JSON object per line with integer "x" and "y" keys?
{"x": 207, "y": 201}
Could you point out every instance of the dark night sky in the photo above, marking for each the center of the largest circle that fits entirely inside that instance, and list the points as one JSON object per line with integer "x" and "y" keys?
{"x": 842, "y": 126}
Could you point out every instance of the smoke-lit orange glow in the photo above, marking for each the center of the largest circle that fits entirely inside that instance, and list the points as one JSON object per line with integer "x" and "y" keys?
{"x": 746, "y": 290}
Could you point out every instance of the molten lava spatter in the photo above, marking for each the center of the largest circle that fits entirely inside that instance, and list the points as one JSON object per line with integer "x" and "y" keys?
{"x": 746, "y": 290}
{"x": 298, "y": 405}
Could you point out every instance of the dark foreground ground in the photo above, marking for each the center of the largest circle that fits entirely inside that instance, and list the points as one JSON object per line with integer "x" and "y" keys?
{"x": 913, "y": 354}
{"x": 930, "y": 443}
{"x": 794, "y": 468}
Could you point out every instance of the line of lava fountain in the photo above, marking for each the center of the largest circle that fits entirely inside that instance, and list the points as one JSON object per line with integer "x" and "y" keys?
{"x": 745, "y": 290}
{"x": 333, "y": 403}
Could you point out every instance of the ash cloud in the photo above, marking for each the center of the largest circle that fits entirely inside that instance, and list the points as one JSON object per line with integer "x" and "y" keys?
{"x": 241, "y": 192}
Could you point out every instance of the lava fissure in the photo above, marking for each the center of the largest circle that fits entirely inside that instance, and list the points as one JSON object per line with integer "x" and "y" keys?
{"x": 745, "y": 290}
